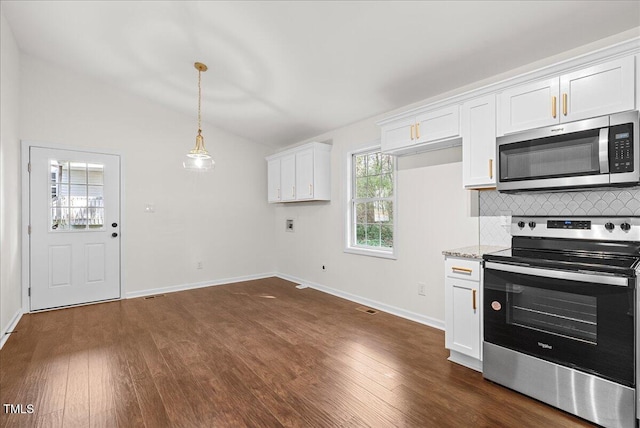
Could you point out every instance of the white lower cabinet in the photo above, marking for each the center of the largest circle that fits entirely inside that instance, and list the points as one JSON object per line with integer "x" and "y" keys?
{"x": 463, "y": 311}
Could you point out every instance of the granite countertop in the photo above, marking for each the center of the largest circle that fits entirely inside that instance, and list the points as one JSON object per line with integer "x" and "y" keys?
{"x": 473, "y": 252}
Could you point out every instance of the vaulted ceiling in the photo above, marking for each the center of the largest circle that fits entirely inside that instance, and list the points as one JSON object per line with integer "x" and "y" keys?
{"x": 283, "y": 72}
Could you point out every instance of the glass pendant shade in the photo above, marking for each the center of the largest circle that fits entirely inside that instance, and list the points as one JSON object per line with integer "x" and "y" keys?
{"x": 198, "y": 158}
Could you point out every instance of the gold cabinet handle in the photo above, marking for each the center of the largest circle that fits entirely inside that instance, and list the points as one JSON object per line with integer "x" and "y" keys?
{"x": 461, "y": 269}
{"x": 553, "y": 107}
{"x": 490, "y": 168}
{"x": 564, "y": 104}
{"x": 474, "y": 299}
{"x": 412, "y": 126}
{"x": 418, "y": 131}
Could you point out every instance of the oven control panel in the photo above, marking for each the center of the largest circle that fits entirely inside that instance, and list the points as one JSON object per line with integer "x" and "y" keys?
{"x": 600, "y": 228}
{"x": 621, "y": 148}
{"x": 568, "y": 224}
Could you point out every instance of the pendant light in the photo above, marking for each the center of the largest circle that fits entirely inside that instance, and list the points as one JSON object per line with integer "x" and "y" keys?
{"x": 199, "y": 159}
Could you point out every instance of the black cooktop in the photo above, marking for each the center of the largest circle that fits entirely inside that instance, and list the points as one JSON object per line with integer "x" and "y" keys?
{"x": 620, "y": 258}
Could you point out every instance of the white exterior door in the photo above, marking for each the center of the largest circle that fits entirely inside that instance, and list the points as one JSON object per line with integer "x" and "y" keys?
{"x": 74, "y": 202}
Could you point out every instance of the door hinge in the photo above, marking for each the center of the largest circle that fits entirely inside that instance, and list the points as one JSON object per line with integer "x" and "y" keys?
{"x": 29, "y": 167}
{"x": 29, "y": 229}
{"x": 29, "y": 291}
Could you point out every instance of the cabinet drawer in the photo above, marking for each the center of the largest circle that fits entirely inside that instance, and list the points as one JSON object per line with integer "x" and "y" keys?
{"x": 462, "y": 268}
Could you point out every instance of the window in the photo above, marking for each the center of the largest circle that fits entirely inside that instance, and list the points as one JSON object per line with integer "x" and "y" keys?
{"x": 77, "y": 201}
{"x": 371, "y": 222}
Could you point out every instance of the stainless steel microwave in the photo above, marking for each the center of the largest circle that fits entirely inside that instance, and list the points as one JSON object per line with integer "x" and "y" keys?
{"x": 602, "y": 151}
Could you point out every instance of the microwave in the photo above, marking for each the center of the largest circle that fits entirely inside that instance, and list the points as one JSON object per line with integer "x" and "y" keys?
{"x": 597, "y": 152}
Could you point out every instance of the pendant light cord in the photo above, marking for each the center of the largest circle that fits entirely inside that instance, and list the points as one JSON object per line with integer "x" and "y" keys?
{"x": 199, "y": 99}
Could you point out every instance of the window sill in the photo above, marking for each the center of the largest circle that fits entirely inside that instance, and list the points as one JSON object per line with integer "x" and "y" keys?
{"x": 371, "y": 253}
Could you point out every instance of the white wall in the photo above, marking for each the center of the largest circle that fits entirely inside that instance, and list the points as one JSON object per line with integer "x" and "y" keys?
{"x": 10, "y": 265}
{"x": 220, "y": 218}
{"x": 433, "y": 214}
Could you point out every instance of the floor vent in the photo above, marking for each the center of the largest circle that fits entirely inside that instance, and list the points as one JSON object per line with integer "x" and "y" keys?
{"x": 154, "y": 297}
{"x": 366, "y": 310}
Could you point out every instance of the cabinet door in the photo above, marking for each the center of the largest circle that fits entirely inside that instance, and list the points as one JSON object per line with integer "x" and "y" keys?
{"x": 479, "y": 142}
{"x": 288, "y": 178}
{"x": 638, "y": 102}
{"x": 398, "y": 135}
{"x": 438, "y": 124}
{"x": 304, "y": 175}
{"x": 462, "y": 316}
{"x": 528, "y": 106}
{"x": 599, "y": 90}
{"x": 273, "y": 180}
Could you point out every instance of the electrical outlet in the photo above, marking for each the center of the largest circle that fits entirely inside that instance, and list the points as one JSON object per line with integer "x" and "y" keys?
{"x": 422, "y": 289}
{"x": 199, "y": 265}
{"x": 289, "y": 225}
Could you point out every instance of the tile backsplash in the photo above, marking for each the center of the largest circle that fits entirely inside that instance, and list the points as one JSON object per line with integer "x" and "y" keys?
{"x": 496, "y": 208}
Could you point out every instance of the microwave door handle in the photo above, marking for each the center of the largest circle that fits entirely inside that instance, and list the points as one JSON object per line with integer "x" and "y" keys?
{"x": 593, "y": 278}
{"x": 603, "y": 151}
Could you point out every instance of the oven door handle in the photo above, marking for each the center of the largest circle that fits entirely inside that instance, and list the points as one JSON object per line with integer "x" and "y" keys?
{"x": 560, "y": 274}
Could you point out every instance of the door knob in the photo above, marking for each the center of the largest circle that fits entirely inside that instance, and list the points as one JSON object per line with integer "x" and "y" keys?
{"x": 113, "y": 235}
{"x": 114, "y": 224}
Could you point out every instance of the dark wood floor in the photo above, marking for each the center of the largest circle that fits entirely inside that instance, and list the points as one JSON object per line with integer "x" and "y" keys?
{"x": 259, "y": 354}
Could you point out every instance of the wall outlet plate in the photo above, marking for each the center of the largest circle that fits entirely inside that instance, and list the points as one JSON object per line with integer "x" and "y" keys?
{"x": 422, "y": 289}
{"x": 289, "y": 225}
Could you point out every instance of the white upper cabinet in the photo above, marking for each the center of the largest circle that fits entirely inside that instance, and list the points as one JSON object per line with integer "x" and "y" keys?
{"x": 421, "y": 131}
{"x": 595, "y": 91}
{"x": 532, "y": 105}
{"x": 479, "y": 142}
{"x": 398, "y": 135}
{"x": 300, "y": 174}
{"x": 287, "y": 177}
{"x": 638, "y": 80}
{"x": 438, "y": 125}
{"x": 598, "y": 90}
{"x": 304, "y": 174}
{"x": 274, "y": 190}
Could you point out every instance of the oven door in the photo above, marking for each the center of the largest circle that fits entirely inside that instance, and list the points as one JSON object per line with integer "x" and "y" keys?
{"x": 580, "y": 320}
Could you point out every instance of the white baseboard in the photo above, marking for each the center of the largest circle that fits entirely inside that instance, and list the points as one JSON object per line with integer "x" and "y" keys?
{"x": 465, "y": 360}
{"x": 12, "y": 325}
{"x": 182, "y": 287}
{"x": 402, "y": 313}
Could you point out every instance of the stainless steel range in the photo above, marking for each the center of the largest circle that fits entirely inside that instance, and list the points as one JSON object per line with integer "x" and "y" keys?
{"x": 560, "y": 315}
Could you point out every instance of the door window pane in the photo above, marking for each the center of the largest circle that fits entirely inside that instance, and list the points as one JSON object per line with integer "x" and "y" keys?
{"x": 95, "y": 173}
{"x": 78, "y": 173}
{"x": 77, "y": 196}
